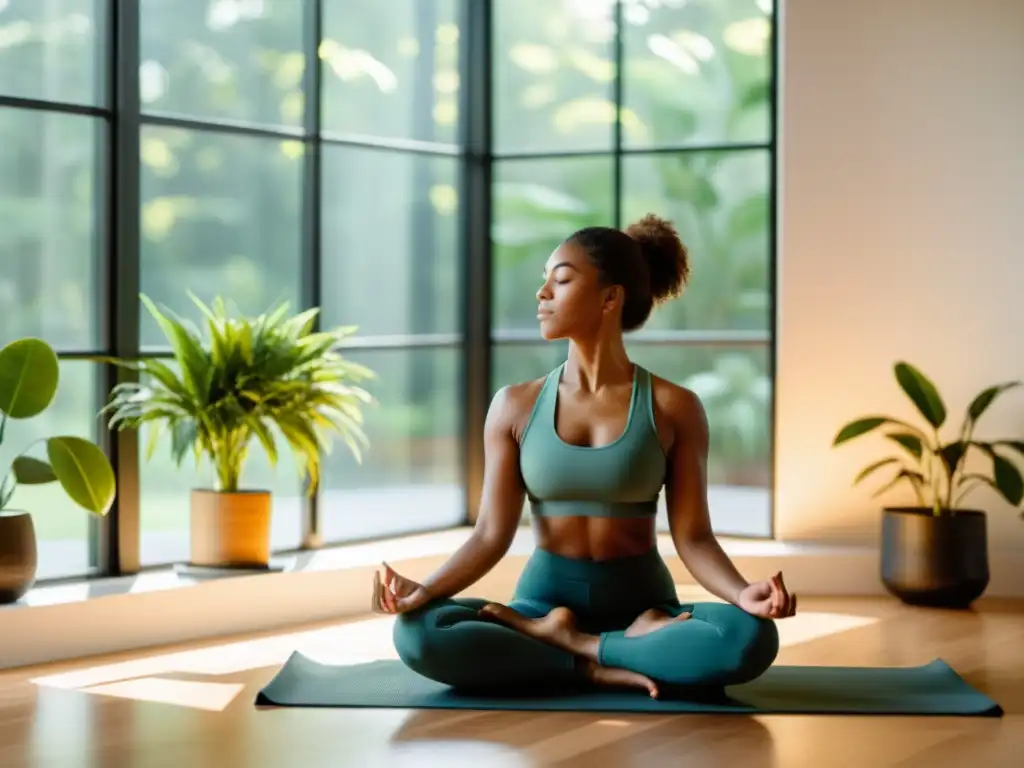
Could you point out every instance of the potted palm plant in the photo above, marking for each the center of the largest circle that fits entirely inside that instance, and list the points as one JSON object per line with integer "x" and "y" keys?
{"x": 935, "y": 553}
{"x": 247, "y": 378}
{"x": 29, "y": 378}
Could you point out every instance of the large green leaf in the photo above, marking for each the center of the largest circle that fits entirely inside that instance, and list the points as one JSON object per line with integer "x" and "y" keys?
{"x": 30, "y": 471}
{"x": 912, "y": 443}
{"x": 83, "y": 471}
{"x": 985, "y": 398}
{"x": 858, "y": 428}
{"x": 29, "y": 374}
{"x": 1007, "y": 478}
{"x": 867, "y": 424}
{"x": 872, "y": 468}
{"x": 922, "y": 393}
{"x": 916, "y": 479}
{"x": 952, "y": 454}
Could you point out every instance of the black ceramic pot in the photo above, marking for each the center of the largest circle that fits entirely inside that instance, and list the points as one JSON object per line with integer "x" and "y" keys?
{"x": 937, "y": 561}
{"x": 17, "y": 555}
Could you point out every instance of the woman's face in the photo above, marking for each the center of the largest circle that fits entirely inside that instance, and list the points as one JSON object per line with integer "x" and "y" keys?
{"x": 571, "y": 302}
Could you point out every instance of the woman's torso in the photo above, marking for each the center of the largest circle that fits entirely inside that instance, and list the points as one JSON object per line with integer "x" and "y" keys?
{"x": 593, "y": 467}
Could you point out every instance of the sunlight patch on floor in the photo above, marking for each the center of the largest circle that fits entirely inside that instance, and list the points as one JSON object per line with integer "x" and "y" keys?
{"x": 351, "y": 643}
{"x": 212, "y": 697}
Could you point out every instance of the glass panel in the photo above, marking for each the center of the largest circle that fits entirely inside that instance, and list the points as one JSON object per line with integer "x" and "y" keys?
{"x": 537, "y": 204}
{"x": 720, "y": 203}
{"x": 62, "y": 527}
{"x": 48, "y": 222}
{"x": 390, "y": 241}
{"x": 391, "y": 68}
{"x": 223, "y": 59}
{"x": 220, "y": 216}
{"x": 410, "y": 477}
{"x": 48, "y": 50}
{"x": 165, "y": 489}
{"x": 696, "y": 72}
{"x": 735, "y": 388}
{"x": 514, "y": 363}
{"x": 554, "y": 72}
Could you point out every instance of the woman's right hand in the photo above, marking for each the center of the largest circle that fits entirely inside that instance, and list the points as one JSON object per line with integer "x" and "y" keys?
{"x": 397, "y": 594}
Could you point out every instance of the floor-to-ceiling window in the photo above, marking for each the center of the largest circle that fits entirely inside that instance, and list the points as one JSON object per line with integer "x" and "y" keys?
{"x": 319, "y": 152}
{"x": 53, "y": 135}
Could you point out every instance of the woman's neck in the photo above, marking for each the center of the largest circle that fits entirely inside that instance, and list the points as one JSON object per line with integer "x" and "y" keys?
{"x": 593, "y": 365}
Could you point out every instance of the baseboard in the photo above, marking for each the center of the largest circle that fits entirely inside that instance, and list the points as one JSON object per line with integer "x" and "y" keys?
{"x": 81, "y": 620}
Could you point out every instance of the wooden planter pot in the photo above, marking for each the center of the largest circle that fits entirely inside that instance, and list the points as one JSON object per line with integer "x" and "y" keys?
{"x": 230, "y": 530}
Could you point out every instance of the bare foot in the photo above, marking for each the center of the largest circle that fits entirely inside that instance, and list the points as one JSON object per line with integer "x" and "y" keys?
{"x": 558, "y": 628}
{"x": 613, "y": 676}
{"x": 648, "y": 621}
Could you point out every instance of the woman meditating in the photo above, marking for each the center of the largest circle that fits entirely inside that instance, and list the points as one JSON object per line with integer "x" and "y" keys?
{"x": 591, "y": 445}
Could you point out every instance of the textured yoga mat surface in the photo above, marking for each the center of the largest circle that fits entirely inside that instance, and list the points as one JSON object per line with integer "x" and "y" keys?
{"x": 931, "y": 689}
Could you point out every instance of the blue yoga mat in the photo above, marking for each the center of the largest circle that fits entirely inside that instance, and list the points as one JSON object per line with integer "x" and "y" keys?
{"x": 930, "y": 689}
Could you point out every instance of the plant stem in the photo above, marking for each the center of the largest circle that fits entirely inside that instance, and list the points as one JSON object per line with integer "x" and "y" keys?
{"x": 3, "y": 425}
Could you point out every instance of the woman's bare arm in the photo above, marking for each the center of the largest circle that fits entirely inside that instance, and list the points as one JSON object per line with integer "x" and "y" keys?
{"x": 501, "y": 500}
{"x": 687, "y": 499}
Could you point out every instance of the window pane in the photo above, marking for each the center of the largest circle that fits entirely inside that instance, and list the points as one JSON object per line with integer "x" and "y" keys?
{"x": 165, "y": 490}
{"x": 720, "y": 204}
{"x": 223, "y": 59}
{"x": 390, "y": 241}
{"x": 48, "y": 219}
{"x": 696, "y": 72}
{"x": 410, "y": 478}
{"x": 391, "y": 68}
{"x": 62, "y": 527}
{"x": 554, "y": 74}
{"x": 220, "y": 216}
{"x": 48, "y": 50}
{"x": 735, "y": 388}
{"x": 537, "y": 204}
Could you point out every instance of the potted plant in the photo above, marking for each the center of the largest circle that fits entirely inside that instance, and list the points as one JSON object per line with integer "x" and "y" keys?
{"x": 248, "y": 378}
{"x": 935, "y": 553}
{"x": 29, "y": 377}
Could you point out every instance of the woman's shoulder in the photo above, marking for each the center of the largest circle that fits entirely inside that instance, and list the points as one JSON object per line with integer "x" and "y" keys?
{"x": 514, "y": 403}
{"x": 675, "y": 403}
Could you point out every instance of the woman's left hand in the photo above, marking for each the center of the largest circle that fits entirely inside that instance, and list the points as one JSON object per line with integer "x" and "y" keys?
{"x": 768, "y": 599}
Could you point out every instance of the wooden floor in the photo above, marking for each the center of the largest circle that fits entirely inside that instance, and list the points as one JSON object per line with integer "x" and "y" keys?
{"x": 193, "y": 707}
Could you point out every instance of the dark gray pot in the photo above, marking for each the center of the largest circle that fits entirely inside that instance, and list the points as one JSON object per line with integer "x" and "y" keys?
{"x": 17, "y": 555}
{"x": 940, "y": 562}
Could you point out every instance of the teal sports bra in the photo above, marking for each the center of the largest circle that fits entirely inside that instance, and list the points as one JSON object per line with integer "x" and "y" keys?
{"x": 621, "y": 479}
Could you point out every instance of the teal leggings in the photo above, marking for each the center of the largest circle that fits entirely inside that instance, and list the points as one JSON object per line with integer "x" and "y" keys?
{"x": 719, "y": 645}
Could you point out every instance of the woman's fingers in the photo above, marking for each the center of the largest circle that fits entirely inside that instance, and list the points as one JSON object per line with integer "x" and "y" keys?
{"x": 396, "y": 582}
{"x": 375, "y": 605}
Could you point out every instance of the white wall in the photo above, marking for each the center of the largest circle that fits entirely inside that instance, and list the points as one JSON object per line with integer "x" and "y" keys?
{"x": 902, "y": 236}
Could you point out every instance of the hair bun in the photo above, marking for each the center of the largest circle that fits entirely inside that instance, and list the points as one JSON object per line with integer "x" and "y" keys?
{"x": 667, "y": 258}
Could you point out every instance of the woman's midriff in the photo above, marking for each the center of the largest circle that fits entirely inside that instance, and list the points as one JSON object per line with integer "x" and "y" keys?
{"x": 595, "y": 538}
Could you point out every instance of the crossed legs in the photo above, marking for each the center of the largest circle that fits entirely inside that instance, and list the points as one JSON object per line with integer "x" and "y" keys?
{"x": 474, "y": 643}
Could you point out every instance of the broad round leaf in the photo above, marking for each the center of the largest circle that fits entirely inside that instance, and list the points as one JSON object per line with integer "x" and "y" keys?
{"x": 83, "y": 471}
{"x": 922, "y": 393}
{"x": 29, "y": 375}
{"x": 29, "y": 471}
